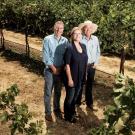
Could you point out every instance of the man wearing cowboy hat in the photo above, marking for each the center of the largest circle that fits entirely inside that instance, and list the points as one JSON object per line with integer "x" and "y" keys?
{"x": 93, "y": 52}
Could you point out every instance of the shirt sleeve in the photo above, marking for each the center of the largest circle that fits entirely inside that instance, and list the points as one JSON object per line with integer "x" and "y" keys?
{"x": 98, "y": 52}
{"x": 68, "y": 54}
{"x": 47, "y": 57}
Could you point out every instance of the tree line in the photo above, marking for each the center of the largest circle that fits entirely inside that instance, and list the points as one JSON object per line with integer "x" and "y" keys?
{"x": 115, "y": 19}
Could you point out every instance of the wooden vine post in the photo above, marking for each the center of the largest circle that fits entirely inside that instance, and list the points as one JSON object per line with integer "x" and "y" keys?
{"x": 123, "y": 55}
{"x": 1, "y": 38}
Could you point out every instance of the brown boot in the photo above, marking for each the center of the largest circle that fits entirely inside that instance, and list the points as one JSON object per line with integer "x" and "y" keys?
{"x": 49, "y": 118}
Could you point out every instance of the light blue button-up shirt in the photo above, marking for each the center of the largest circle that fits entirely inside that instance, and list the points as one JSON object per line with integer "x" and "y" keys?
{"x": 93, "y": 49}
{"x": 53, "y": 50}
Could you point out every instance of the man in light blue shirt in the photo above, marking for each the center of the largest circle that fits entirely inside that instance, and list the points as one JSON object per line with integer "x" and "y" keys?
{"x": 93, "y": 51}
{"x": 54, "y": 47}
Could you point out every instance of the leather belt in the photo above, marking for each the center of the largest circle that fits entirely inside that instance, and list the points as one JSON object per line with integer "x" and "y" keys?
{"x": 90, "y": 64}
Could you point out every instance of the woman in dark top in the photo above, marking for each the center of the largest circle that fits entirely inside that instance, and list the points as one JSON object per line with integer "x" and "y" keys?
{"x": 75, "y": 67}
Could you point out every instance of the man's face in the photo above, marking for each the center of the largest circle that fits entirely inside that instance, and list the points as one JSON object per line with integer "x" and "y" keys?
{"x": 58, "y": 30}
{"x": 87, "y": 30}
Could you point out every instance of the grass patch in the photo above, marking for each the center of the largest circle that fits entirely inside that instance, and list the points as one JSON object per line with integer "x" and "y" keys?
{"x": 132, "y": 69}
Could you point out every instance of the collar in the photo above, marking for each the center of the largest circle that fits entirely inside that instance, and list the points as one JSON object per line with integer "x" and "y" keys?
{"x": 84, "y": 37}
{"x": 57, "y": 38}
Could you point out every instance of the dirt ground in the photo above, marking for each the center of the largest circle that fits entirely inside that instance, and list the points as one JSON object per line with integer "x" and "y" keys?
{"x": 31, "y": 87}
{"x": 31, "y": 92}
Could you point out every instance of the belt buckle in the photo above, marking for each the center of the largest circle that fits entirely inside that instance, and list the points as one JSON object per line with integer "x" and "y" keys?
{"x": 91, "y": 64}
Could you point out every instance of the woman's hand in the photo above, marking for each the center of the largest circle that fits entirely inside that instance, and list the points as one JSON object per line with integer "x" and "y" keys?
{"x": 69, "y": 76}
{"x": 70, "y": 83}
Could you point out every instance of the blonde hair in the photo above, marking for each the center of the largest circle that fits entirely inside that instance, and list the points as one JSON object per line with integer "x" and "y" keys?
{"x": 72, "y": 32}
{"x": 58, "y": 23}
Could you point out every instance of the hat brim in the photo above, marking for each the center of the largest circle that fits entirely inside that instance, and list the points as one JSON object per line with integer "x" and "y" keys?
{"x": 93, "y": 26}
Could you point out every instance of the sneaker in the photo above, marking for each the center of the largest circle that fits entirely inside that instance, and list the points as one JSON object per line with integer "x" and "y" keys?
{"x": 49, "y": 118}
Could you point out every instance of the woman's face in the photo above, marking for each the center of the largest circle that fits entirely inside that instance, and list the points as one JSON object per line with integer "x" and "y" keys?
{"x": 77, "y": 35}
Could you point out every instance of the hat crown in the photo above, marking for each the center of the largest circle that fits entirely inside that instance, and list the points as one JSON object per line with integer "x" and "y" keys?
{"x": 88, "y": 22}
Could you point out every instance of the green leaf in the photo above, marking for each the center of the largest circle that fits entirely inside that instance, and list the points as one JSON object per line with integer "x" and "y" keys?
{"x": 4, "y": 117}
{"x": 119, "y": 89}
{"x": 117, "y": 100}
{"x": 121, "y": 122}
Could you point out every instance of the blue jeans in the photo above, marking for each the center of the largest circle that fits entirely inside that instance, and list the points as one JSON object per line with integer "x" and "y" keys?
{"x": 52, "y": 81}
{"x": 70, "y": 101}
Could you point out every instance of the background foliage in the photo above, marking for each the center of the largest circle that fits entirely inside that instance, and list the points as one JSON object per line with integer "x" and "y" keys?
{"x": 116, "y": 19}
{"x": 120, "y": 116}
{"x": 17, "y": 115}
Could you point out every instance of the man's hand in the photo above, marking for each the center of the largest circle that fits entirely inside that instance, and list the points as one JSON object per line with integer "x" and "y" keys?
{"x": 57, "y": 71}
{"x": 54, "y": 70}
{"x": 95, "y": 66}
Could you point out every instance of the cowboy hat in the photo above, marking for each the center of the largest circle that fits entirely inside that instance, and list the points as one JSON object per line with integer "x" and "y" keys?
{"x": 91, "y": 24}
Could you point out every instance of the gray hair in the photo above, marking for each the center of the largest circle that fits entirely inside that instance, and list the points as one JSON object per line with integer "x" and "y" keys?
{"x": 58, "y": 23}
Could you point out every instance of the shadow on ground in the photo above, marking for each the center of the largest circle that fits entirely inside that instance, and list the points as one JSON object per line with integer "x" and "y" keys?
{"x": 87, "y": 119}
{"x": 29, "y": 63}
